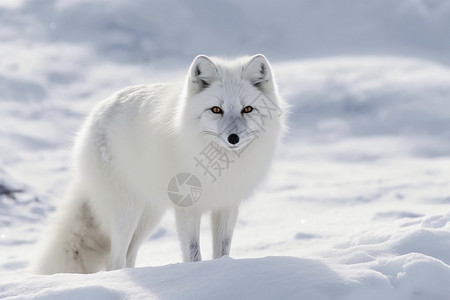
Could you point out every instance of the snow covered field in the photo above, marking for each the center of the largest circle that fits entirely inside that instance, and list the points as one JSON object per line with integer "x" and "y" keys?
{"x": 357, "y": 205}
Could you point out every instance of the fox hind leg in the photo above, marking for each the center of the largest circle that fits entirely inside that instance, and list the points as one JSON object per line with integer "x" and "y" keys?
{"x": 122, "y": 229}
{"x": 147, "y": 223}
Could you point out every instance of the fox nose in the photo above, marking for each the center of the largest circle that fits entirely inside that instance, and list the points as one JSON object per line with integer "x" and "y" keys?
{"x": 233, "y": 138}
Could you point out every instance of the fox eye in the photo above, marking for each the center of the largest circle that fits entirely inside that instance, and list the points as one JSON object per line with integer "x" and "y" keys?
{"x": 247, "y": 109}
{"x": 216, "y": 110}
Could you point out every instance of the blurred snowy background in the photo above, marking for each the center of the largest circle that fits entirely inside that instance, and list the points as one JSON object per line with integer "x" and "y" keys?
{"x": 359, "y": 196}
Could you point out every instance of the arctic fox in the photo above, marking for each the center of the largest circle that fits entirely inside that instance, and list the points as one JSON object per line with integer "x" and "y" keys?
{"x": 202, "y": 146}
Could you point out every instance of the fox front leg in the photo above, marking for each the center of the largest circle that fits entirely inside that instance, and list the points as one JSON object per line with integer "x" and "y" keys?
{"x": 223, "y": 222}
{"x": 188, "y": 225}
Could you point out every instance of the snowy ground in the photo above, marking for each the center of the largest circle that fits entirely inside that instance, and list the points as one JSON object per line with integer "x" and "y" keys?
{"x": 357, "y": 203}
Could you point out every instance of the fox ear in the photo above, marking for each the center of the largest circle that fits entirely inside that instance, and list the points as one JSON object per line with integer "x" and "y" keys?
{"x": 202, "y": 73}
{"x": 258, "y": 72}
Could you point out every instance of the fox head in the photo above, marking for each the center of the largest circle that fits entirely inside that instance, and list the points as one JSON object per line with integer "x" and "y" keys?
{"x": 232, "y": 103}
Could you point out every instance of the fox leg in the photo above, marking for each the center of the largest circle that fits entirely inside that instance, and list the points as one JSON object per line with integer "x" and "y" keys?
{"x": 138, "y": 238}
{"x": 149, "y": 220}
{"x": 122, "y": 229}
{"x": 188, "y": 225}
{"x": 223, "y": 222}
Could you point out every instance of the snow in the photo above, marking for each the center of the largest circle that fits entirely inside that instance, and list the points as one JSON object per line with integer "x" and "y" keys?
{"x": 357, "y": 203}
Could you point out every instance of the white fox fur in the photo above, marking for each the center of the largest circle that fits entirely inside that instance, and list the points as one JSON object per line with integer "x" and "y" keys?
{"x": 134, "y": 142}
